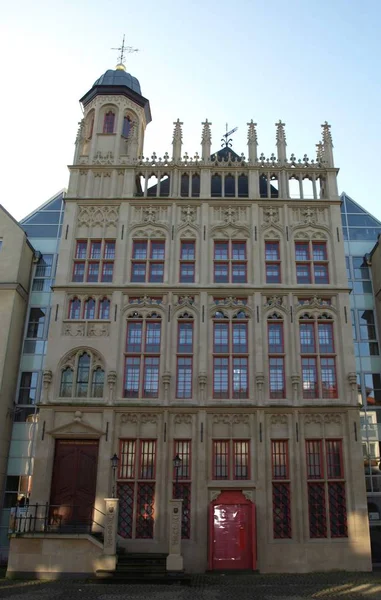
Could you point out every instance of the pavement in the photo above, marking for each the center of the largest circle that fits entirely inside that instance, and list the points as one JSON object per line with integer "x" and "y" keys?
{"x": 320, "y": 586}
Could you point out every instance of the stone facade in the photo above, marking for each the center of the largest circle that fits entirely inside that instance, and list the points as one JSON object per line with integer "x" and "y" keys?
{"x": 16, "y": 256}
{"x": 121, "y": 370}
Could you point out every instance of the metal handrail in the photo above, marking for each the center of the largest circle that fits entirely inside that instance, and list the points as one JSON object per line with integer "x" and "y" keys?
{"x": 51, "y": 518}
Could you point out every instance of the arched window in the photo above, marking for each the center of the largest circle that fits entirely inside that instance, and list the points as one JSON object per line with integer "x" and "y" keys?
{"x": 230, "y": 356}
{"x": 66, "y": 389}
{"x": 104, "y": 308}
{"x": 97, "y": 383}
{"x": 108, "y": 123}
{"x": 142, "y": 356}
{"x": 82, "y": 376}
{"x": 75, "y": 309}
{"x": 90, "y": 309}
{"x": 90, "y": 128}
{"x": 126, "y": 129}
{"x": 83, "y": 370}
{"x": 318, "y": 355}
{"x": 184, "y": 368}
{"x": 276, "y": 355}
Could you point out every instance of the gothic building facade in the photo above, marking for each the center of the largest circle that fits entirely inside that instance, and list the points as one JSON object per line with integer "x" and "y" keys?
{"x": 201, "y": 312}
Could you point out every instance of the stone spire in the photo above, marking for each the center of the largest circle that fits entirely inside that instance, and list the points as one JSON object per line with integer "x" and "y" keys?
{"x": 177, "y": 141}
{"x": 327, "y": 144}
{"x": 281, "y": 141}
{"x": 252, "y": 140}
{"x": 206, "y": 140}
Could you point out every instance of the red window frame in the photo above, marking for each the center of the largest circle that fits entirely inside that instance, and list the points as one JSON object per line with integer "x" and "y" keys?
{"x": 182, "y": 482}
{"x": 71, "y": 304}
{"x": 276, "y": 358}
{"x": 281, "y": 493}
{"x": 326, "y": 488}
{"x": 184, "y": 395}
{"x": 109, "y": 122}
{"x": 310, "y": 262}
{"x": 85, "y": 308}
{"x": 224, "y": 453}
{"x": 246, "y": 459}
{"x": 101, "y": 311}
{"x": 321, "y": 359}
{"x": 85, "y": 250}
{"x": 271, "y": 262}
{"x": 149, "y": 262}
{"x": 136, "y": 491}
{"x": 231, "y": 352}
{"x": 187, "y": 262}
{"x": 142, "y": 354}
{"x": 230, "y": 262}
{"x": 280, "y": 460}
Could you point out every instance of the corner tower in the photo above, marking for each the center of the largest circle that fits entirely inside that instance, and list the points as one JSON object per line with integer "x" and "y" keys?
{"x": 111, "y": 134}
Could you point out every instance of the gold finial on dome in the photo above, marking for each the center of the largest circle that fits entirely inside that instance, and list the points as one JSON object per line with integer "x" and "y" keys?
{"x": 122, "y": 51}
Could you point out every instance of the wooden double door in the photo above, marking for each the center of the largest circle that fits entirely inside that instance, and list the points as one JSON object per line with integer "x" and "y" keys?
{"x": 232, "y": 540}
{"x": 73, "y": 486}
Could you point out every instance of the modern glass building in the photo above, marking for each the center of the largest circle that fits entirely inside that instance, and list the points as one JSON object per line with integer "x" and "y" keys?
{"x": 360, "y": 231}
{"x": 43, "y": 227}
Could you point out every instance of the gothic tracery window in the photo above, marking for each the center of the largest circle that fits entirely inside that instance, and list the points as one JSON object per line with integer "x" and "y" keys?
{"x": 82, "y": 376}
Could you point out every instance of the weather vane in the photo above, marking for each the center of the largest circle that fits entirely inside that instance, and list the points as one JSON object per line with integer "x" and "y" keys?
{"x": 226, "y": 141}
{"x": 123, "y": 50}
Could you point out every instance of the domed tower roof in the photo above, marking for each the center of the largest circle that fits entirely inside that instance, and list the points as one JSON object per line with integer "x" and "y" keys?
{"x": 118, "y": 82}
{"x": 119, "y": 77}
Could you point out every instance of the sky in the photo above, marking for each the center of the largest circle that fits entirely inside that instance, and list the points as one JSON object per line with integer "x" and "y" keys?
{"x": 302, "y": 62}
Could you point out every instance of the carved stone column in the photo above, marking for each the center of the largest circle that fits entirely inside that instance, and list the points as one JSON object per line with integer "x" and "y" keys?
{"x": 111, "y": 526}
{"x": 202, "y": 379}
{"x": 260, "y": 380}
{"x": 352, "y": 379}
{"x": 174, "y": 559}
{"x": 111, "y": 380}
{"x": 47, "y": 377}
{"x": 295, "y": 379}
{"x": 166, "y": 382}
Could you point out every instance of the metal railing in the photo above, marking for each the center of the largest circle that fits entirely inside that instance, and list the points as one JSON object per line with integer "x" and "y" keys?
{"x": 56, "y": 518}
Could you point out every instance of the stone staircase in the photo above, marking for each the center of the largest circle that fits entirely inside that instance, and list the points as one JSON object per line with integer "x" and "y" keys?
{"x": 141, "y": 568}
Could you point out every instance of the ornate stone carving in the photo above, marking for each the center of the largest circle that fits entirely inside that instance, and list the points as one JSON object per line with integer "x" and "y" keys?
{"x": 314, "y": 302}
{"x": 231, "y": 215}
{"x": 229, "y": 302}
{"x": 74, "y": 329}
{"x": 225, "y": 419}
{"x": 145, "y": 301}
{"x": 313, "y": 418}
{"x": 183, "y": 418}
{"x": 111, "y": 378}
{"x": 213, "y": 494}
{"x": 47, "y": 377}
{"x": 188, "y": 214}
{"x": 260, "y": 380}
{"x": 150, "y": 214}
{"x": 271, "y": 215}
{"x": 332, "y": 418}
{"x": 103, "y": 158}
{"x": 78, "y": 416}
{"x": 274, "y": 302}
{"x": 130, "y": 418}
{"x": 279, "y": 419}
{"x": 103, "y": 216}
{"x": 202, "y": 379}
{"x": 248, "y": 494}
{"x": 166, "y": 378}
{"x": 98, "y": 329}
{"x": 237, "y": 419}
{"x": 308, "y": 215}
{"x": 148, "y": 418}
{"x": 185, "y": 301}
{"x": 231, "y": 419}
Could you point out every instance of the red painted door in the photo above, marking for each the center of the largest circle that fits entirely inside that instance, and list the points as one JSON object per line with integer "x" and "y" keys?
{"x": 232, "y": 532}
{"x": 73, "y": 483}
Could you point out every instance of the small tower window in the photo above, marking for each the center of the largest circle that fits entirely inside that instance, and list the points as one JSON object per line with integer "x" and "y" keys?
{"x": 108, "y": 124}
{"x": 126, "y": 127}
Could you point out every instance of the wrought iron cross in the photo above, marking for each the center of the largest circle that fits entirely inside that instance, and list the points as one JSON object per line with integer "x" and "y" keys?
{"x": 124, "y": 50}
{"x": 226, "y": 141}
